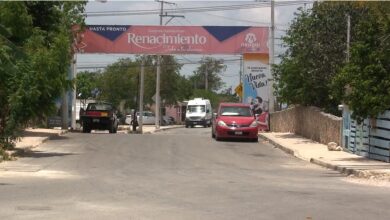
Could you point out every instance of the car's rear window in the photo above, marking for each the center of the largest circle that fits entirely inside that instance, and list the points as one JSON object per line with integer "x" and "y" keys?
{"x": 99, "y": 107}
{"x": 235, "y": 111}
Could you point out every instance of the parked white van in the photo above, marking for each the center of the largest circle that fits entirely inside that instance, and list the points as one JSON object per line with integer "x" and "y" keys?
{"x": 198, "y": 112}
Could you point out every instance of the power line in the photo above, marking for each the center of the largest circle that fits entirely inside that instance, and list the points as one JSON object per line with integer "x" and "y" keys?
{"x": 176, "y": 10}
{"x": 239, "y": 20}
{"x": 135, "y": 65}
{"x": 193, "y": 9}
{"x": 199, "y": 9}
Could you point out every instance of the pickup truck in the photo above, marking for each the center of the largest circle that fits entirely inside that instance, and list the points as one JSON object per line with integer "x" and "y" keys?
{"x": 99, "y": 116}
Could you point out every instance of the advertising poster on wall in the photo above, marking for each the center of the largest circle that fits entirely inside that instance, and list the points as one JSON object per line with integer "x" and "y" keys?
{"x": 256, "y": 86}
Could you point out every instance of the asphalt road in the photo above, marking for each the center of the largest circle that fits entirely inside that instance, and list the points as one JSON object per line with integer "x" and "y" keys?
{"x": 177, "y": 174}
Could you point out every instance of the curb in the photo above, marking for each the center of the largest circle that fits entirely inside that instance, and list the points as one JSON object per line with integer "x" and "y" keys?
{"x": 283, "y": 148}
{"x": 350, "y": 171}
{"x": 345, "y": 170}
{"x": 162, "y": 129}
{"x": 341, "y": 169}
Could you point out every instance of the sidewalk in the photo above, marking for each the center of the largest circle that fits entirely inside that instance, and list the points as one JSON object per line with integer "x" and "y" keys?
{"x": 319, "y": 154}
{"x": 32, "y": 137}
{"x": 149, "y": 129}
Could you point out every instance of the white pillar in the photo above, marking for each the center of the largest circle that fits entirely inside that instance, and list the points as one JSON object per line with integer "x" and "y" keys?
{"x": 141, "y": 95}
{"x": 74, "y": 107}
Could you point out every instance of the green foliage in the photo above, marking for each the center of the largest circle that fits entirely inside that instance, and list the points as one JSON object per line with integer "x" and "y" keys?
{"x": 119, "y": 82}
{"x": 35, "y": 54}
{"x": 367, "y": 75}
{"x": 316, "y": 53}
{"x": 171, "y": 90}
{"x": 213, "y": 68}
{"x": 86, "y": 82}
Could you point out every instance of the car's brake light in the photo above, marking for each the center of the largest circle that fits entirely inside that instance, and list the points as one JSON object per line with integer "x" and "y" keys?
{"x": 93, "y": 113}
{"x": 104, "y": 114}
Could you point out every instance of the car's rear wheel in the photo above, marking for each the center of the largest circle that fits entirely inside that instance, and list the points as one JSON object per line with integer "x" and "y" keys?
{"x": 111, "y": 129}
{"x": 86, "y": 128}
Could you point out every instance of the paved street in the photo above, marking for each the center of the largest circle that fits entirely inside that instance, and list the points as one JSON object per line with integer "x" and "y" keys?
{"x": 177, "y": 174}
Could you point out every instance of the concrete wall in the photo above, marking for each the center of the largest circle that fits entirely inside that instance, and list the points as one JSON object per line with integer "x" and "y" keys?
{"x": 308, "y": 122}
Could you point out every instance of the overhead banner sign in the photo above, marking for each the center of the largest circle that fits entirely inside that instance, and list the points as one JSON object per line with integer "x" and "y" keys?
{"x": 173, "y": 39}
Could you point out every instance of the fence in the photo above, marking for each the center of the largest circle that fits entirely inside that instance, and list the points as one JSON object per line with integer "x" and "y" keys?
{"x": 308, "y": 122}
{"x": 371, "y": 138}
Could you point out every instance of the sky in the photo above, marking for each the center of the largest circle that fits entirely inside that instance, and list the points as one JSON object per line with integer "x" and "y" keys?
{"x": 284, "y": 13}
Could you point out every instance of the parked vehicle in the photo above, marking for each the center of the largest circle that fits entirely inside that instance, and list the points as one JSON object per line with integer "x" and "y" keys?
{"x": 198, "y": 112}
{"x": 99, "y": 116}
{"x": 147, "y": 119}
{"x": 167, "y": 120}
{"x": 234, "y": 120}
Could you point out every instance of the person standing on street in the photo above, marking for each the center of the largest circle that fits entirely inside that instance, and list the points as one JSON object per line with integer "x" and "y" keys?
{"x": 134, "y": 121}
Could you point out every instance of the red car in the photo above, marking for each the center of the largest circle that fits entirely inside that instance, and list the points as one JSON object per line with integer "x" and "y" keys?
{"x": 235, "y": 120}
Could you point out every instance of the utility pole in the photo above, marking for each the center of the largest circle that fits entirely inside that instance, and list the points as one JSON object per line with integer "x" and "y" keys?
{"x": 141, "y": 94}
{"x": 206, "y": 85}
{"x": 344, "y": 128}
{"x": 348, "y": 36}
{"x": 272, "y": 55}
{"x": 74, "y": 96}
{"x": 64, "y": 110}
{"x": 157, "y": 122}
{"x": 240, "y": 79}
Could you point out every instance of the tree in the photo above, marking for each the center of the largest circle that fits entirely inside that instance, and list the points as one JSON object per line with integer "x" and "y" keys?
{"x": 86, "y": 83}
{"x": 367, "y": 75}
{"x": 119, "y": 82}
{"x": 213, "y": 68}
{"x": 35, "y": 58}
{"x": 173, "y": 86}
{"x": 316, "y": 53}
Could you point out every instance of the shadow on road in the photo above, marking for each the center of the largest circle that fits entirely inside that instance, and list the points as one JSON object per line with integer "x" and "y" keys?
{"x": 41, "y": 154}
{"x": 58, "y": 137}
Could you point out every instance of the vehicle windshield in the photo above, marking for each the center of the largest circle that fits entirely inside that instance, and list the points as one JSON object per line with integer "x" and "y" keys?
{"x": 235, "y": 111}
{"x": 196, "y": 108}
{"x": 99, "y": 106}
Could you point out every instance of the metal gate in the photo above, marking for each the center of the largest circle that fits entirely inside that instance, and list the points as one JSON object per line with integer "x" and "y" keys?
{"x": 371, "y": 138}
